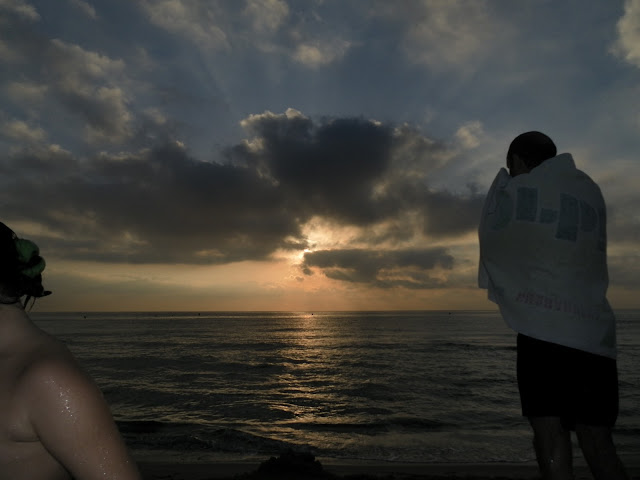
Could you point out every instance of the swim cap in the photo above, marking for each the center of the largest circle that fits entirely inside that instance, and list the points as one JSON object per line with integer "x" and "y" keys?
{"x": 29, "y": 256}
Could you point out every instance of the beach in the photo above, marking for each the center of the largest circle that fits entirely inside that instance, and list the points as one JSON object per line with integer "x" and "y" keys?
{"x": 159, "y": 470}
{"x": 228, "y": 471}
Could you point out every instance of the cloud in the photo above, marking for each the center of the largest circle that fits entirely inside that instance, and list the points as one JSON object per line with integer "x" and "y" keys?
{"x": 266, "y": 15}
{"x": 20, "y": 8}
{"x": 355, "y": 171}
{"x": 330, "y": 168}
{"x": 75, "y": 67}
{"x": 85, "y": 8}
{"x": 106, "y": 114}
{"x": 627, "y": 45}
{"x": 26, "y": 92}
{"x": 470, "y": 134}
{"x": 22, "y": 132}
{"x": 408, "y": 268}
{"x": 266, "y": 26}
{"x": 444, "y": 34}
{"x": 6, "y": 54}
{"x": 321, "y": 54}
{"x": 163, "y": 93}
{"x": 90, "y": 86}
{"x": 37, "y": 164}
{"x": 161, "y": 205}
{"x": 155, "y": 206}
{"x": 319, "y": 38}
{"x": 448, "y": 214}
{"x": 13, "y": 15}
{"x": 84, "y": 83}
{"x": 196, "y": 20}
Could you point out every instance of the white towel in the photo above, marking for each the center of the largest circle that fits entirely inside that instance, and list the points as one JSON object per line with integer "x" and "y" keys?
{"x": 543, "y": 256}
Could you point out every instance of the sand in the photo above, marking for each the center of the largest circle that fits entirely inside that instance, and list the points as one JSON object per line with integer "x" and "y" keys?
{"x": 311, "y": 468}
{"x": 228, "y": 471}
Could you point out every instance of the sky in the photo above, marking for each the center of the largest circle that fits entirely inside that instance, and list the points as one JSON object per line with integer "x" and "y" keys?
{"x": 306, "y": 155}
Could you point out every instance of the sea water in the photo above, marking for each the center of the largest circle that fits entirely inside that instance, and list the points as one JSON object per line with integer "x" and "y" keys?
{"x": 353, "y": 386}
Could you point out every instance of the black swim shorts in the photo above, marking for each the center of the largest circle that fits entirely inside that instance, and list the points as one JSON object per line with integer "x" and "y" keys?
{"x": 558, "y": 381}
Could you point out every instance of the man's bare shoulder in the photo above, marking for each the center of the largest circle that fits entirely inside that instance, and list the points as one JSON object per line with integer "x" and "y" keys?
{"x": 69, "y": 415}
{"x": 31, "y": 358}
{"x": 52, "y": 376}
{"x": 42, "y": 360}
{"x": 38, "y": 370}
{"x": 49, "y": 356}
{"x": 32, "y": 365}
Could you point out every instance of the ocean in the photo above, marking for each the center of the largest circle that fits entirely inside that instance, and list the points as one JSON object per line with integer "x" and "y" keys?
{"x": 346, "y": 386}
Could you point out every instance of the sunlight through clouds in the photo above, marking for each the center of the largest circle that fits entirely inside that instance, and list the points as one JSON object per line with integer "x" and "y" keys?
{"x": 325, "y": 153}
{"x": 197, "y": 20}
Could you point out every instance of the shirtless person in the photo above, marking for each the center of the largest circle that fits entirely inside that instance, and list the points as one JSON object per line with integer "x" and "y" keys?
{"x": 54, "y": 422}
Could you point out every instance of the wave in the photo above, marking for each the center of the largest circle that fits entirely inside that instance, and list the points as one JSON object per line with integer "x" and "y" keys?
{"x": 465, "y": 346}
{"x": 155, "y": 435}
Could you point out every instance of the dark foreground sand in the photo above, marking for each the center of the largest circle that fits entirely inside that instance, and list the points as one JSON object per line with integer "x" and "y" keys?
{"x": 302, "y": 467}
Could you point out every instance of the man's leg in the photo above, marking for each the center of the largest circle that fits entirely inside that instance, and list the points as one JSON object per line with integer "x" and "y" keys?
{"x": 552, "y": 444}
{"x": 599, "y": 451}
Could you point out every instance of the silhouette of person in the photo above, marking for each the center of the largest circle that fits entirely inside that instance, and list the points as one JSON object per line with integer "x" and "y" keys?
{"x": 54, "y": 421}
{"x": 543, "y": 260}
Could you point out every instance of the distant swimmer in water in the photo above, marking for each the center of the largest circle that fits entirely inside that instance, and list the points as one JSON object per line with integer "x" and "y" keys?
{"x": 54, "y": 421}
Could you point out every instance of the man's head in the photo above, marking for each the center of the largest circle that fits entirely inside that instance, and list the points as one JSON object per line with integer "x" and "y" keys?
{"x": 21, "y": 268}
{"x": 527, "y": 151}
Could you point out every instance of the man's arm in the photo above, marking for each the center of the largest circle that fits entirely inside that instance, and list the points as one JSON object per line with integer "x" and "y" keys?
{"x": 74, "y": 423}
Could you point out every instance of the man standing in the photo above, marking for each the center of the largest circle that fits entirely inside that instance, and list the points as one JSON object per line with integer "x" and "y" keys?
{"x": 543, "y": 260}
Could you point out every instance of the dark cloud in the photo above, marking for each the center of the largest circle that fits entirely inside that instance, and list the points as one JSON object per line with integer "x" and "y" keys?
{"x": 330, "y": 169}
{"x": 407, "y": 268}
{"x": 354, "y": 170}
{"x": 157, "y": 206}
{"x": 162, "y": 205}
{"x": 447, "y": 213}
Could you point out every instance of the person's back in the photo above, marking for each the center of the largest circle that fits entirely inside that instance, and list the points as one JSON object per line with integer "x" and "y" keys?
{"x": 54, "y": 422}
{"x": 543, "y": 260}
